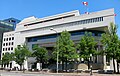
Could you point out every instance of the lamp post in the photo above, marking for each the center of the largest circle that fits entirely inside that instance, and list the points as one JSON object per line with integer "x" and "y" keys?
{"x": 91, "y": 65}
{"x": 57, "y": 46}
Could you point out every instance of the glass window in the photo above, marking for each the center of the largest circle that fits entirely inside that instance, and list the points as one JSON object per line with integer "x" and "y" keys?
{"x": 82, "y": 33}
{"x": 9, "y": 38}
{"x": 99, "y": 34}
{"x": 3, "y": 44}
{"x": 98, "y": 19}
{"x": 12, "y": 43}
{"x": 3, "y": 49}
{"x": 96, "y": 34}
{"x": 6, "y": 39}
{"x": 9, "y": 43}
{"x": 93, "y": 34}
{"x": 95, "y": 19}
{"x": 11, "y": 48}
{"x": 12, "y": 38}
{"x": 6, "y": 44}
{"x": 6, "y": 49}
{"x": 90, "y": 20}
{"x": 80, "y": 22}
{"x": 101, "y": 19}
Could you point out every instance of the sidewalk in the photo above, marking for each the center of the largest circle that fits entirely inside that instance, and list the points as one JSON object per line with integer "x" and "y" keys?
{"x": 62, "y": 74}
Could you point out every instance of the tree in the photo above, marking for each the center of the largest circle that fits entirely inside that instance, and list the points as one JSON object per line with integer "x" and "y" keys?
{"x": 66, "y": 49}
{"x": 86, "y": 46}
{"x": 7, "y": 58}
{"x": 118, "y": 55}
{"x": 110, "y": 41}
{"x": 40, "y": 53}
{"x": 21, "y": 54}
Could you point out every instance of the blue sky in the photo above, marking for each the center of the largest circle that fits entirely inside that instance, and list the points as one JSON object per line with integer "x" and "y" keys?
{"x": 21, "y": 9}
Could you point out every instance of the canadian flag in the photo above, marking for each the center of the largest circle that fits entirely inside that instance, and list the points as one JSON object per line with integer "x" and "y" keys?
{"x": 85, "y": 3}
{"x": 115, "y": 14}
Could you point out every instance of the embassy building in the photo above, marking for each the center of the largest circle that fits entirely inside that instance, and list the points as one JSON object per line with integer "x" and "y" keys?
{"x": 33, "y": 31}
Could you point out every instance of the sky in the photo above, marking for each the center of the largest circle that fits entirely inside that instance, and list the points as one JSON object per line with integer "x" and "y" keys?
{"x": 21, "y": 9}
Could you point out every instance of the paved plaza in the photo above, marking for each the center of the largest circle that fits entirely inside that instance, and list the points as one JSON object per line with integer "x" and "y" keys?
{"x": 17, "y": 73}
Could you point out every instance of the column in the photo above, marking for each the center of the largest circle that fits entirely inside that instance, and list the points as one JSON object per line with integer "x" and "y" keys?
{"x": 104, "y": 62}
{"x": 25, "y": 65}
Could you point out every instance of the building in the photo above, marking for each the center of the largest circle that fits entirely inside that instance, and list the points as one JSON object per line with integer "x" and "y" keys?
{"x": 6, "y": 26}
{"x": 33, "y": 30}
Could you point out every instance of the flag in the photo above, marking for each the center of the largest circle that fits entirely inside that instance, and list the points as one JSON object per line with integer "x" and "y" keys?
{"x": 86, "y": 12}
{"x": 85, "y": 3}
{"x": 115, "y": 14}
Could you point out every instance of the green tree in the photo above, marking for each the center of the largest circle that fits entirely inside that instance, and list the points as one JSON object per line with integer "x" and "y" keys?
{"x": 21, "y": 54}
{"x": 118, "y": 55}
{"x": 66, "y": 49}
{"x": 86, "y": 46}
{"x": 7, "y": 58}
{"x": 40, "y": 53}
{"x": 110, "y": 41}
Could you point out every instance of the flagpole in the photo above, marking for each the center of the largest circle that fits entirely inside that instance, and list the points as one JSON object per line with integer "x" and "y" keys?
{"x": 87, "y": 9}
{"x": 86, "y": 6}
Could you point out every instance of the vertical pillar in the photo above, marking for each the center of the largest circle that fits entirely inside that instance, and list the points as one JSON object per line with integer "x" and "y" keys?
{"x": 8, "y": 66}
{"x": 25, "y": 65}
{"x": 97, "y": 55}
{"x": 111, "y": 65}
{"x": 104, "y": 62}
{"x": 13, "y": 64}
{"x": 38, "y": 66}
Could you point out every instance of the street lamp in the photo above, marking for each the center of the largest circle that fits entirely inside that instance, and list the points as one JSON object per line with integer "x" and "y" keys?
{"x": 57, "y": 46}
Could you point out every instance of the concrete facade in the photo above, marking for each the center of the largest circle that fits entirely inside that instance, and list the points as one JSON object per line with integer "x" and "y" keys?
{"x": 37, "y": 30}
{"x": 6, "y": 25}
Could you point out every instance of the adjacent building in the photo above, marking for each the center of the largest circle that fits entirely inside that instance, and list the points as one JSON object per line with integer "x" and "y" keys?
{"x": 34, "y": 30}
{"x": 6, "y": 26}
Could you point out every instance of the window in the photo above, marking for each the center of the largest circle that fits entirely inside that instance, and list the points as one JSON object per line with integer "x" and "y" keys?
{"x": 11, "y": 48}
{"x": 2, "y": 53}
{"x": 3, "y": 44}
{"x": 93, "y": 34}
{"x": 90, "y": 20}
{"x": 101, "y": 19}
{"x": 9, "y": 38}
{"x": 97, "y": 19}
{"x": 99, "y": 34}
{"x": 6, "y": 44}
{"x": 96, "y": 34}
{"x": 6, "y": 49}
{"x": 9, "y": 43}
{"x": 12, "y": 43}
{"x": 6, "y": 39}
{"x": 12, "y": 38}
{"x": 3, "y": 49}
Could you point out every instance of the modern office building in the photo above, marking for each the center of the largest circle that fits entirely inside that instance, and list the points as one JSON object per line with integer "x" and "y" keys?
{"x": 6, "y": 26}
{"x": 34, "y": 30}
